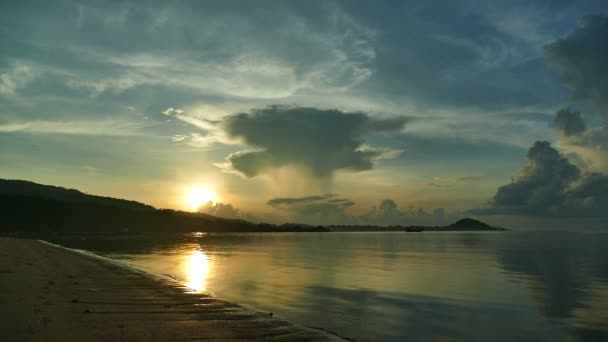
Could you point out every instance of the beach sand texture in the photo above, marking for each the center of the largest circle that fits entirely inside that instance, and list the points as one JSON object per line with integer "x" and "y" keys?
{"x": 48, "y": 293}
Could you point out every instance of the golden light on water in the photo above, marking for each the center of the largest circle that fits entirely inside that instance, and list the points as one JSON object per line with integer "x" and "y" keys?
{"x": 196, "y": 197}
{"x": 197, "y": 271}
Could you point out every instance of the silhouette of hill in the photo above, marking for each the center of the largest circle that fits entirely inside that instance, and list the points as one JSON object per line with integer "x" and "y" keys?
{"x": 27, "y": 207}
{"x": 466, "y": 224}
{"x": 469, "y": 224}
{"x": 23, "y": 188}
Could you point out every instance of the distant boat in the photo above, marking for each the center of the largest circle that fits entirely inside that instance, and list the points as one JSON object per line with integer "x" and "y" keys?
{"x": 413, "y": 229}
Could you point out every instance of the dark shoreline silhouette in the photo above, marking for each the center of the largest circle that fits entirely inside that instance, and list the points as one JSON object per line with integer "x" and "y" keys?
{"x": 27, "y": 207}
{"x": 465, "y": 224}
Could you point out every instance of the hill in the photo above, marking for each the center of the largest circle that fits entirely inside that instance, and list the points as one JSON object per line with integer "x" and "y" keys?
{"x": 466, "y": 224}
{"x": 28, "y": 207}
{"x": 469, "y": 224}
{"x": 21, "y": 188}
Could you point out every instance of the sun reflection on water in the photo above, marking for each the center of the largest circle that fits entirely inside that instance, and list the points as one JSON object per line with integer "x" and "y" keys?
{"x": 197, "y": 270}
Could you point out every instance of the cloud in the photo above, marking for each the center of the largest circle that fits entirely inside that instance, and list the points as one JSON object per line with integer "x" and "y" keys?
{"x": 316, "y": 140}
{"x": 218, "y": 209}
{"x": 550, "y": 185}
{"x": 96, "y": 128}
{"x": 17, "y": 77}
{"x": 194, "y": 120}
{"x": 587, "y": 145}
{"x": 581, "y": 60}
{"x": 438, "y": 185}
{"x": 318, "y": 209}
{"x": 291, "y": 201}
{"x": 324, "y": 209}
{"x": 388, "y": 209}
{"x": 491, "y": 49}
{"x": 512, "y": 128}
{"x": 468, "y": 179}
{"x": 445, "y": 183}
{"x": 212, "y": 48}
{"x": 228, "y": 211}
{"x": 115, "y": 85}
{"x": 569, "y": 123}
{"x": 389, "y": 213}
{"x": 179, "y": 137}
{"x": 172, "y": 111}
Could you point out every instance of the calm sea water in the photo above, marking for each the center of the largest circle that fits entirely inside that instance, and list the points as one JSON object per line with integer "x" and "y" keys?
{"x": 491, "y": 286}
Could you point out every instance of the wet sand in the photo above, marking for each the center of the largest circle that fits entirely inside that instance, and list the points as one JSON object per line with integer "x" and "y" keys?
{"x": 48, "y": 293}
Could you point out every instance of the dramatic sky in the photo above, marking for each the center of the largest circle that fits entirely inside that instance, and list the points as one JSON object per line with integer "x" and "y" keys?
{"x": 314, "y": 111}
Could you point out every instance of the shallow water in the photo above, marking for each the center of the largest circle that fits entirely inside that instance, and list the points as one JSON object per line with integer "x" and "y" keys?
{"x": 473, "y": 286}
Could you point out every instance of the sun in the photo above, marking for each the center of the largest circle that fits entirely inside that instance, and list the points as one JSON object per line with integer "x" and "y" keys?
{"x": 199, "y": 196}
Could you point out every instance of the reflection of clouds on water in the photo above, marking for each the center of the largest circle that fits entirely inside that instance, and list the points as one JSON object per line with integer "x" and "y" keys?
{"x": 567, "y": 270}
{"x": 557, "y": 262}
{"x": 372, "y": 315}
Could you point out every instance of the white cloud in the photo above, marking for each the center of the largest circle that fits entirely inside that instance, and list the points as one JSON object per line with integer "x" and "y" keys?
{"x": 172, "y": 111}
{"x": 98, "y": 86}
{"x": 98, "y": 128}
{"x": 330, "y": 56}
{"x": 179, "y": 137}
{"x": 16, "y": 78}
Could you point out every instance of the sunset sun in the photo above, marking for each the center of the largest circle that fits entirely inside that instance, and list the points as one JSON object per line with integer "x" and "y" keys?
{"x": 199, "y": 196}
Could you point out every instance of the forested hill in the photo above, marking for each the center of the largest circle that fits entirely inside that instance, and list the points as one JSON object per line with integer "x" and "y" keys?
{"x": 27, "y": 207}
{"x": 23, "y": 188}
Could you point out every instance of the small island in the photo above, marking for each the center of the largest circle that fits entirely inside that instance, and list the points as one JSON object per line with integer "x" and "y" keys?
{"x": 465, "y": 224}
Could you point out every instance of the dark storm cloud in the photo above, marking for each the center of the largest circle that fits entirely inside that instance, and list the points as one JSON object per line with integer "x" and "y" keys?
{"x": 581, "y": 59}
{"x": 568, "y": 123}
{"x": 316, "y": 140}
{"x": 550, "y": 185}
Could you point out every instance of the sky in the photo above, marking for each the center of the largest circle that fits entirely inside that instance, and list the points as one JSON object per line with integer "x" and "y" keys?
{"x": 322, "y": 112}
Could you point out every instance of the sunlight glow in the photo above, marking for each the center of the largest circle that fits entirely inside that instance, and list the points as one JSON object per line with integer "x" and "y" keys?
{"x": 197, "y": 271}
{"x": 198, "y": 196}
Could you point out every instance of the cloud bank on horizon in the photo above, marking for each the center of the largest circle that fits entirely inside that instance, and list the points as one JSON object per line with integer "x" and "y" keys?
{"x": 331, "y": 209}
{"x": 390, "y": 103}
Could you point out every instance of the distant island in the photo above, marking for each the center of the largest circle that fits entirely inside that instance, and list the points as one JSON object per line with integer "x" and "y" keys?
{"x": 465, "y": 224}
{"x": 28, "y": 207}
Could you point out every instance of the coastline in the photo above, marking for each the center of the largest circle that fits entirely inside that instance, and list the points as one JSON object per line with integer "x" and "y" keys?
{"x": 56, "y": 294}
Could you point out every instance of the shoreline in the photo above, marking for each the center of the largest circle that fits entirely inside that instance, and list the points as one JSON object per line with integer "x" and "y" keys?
{"x": 54, "y": 293}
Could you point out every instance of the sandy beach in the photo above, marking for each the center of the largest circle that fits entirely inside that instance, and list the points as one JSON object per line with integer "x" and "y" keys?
{"x": 48, "y": 293}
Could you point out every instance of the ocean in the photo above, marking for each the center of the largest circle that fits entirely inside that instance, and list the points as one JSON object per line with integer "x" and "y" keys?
{"x": 391, "y": 286}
